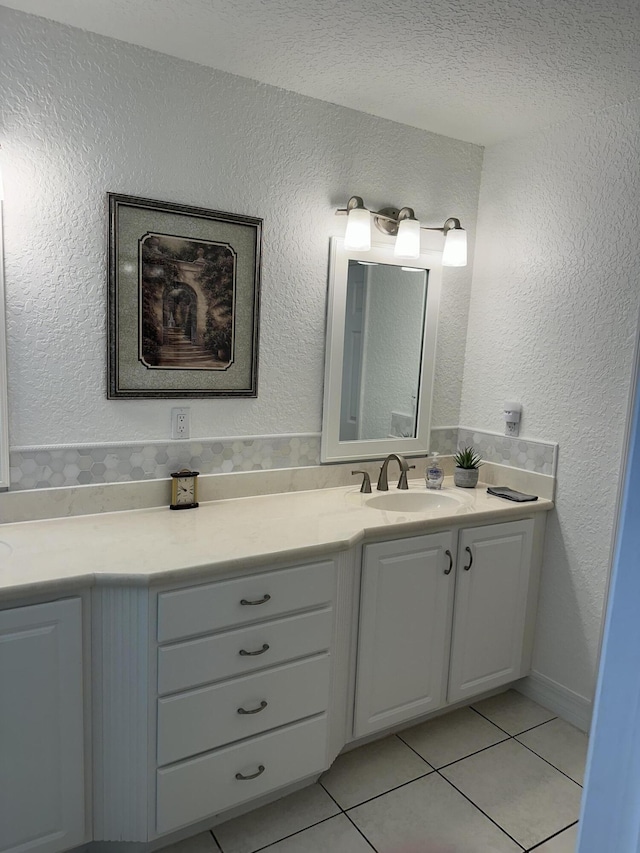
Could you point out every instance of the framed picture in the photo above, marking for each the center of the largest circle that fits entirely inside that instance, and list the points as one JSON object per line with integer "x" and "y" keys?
{"x": 184, "y": 288}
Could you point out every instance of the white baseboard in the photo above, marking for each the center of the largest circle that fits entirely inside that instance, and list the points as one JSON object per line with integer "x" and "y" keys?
{"x": 571, "y": 706}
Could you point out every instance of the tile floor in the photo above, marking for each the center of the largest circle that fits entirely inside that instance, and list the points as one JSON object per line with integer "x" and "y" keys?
{"x": 502, "y": 775}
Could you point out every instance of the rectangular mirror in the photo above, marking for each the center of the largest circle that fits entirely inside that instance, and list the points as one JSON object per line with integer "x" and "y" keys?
{"x": 380, "y": 353}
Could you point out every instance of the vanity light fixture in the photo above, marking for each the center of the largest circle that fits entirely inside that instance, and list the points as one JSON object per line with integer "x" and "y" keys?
{"x": 455, "y": 244}
{"x": 358, "y": 233}
{"x": 402, "y": 224}
{"x": 408, "y": 239}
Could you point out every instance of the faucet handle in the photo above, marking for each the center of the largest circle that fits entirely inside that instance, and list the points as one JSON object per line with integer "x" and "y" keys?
{"x": 402, "y": 482}
{"x": 366, "y": 482}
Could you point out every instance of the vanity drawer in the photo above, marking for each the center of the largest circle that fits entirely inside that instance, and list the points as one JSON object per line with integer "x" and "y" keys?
{"x": 208, "y": 659}
{"x": 200, "y": 609}
{"x": 204, "y": 719}
{"x": 203, "y": 786}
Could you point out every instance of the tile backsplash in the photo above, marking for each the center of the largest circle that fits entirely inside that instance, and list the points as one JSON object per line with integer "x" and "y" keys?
{"x": 538, "y": 456}
{"x": 33, "y": 468}
{"x": 37, "y": 468}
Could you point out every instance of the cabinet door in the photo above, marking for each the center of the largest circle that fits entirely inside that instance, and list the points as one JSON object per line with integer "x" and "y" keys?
{"x": 405, "y": 620}
{"x": 492, "y": 583}
{"x": 41, "y": 728}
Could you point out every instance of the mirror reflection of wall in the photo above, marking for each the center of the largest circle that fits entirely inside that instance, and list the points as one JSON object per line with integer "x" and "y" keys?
{"x": 384, "y": 332}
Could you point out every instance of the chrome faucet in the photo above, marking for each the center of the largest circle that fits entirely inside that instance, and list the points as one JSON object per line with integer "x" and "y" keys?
{"x": 383, "y": 482}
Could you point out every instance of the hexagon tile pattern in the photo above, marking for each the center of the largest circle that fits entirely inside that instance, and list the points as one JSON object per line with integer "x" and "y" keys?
{"x": 36, "y": 469}
{"x": 46, "y": 468}
{"x": 538, "y": 456}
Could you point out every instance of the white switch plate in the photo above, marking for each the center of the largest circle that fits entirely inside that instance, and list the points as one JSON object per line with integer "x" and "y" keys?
{"x": 180, "y": 423}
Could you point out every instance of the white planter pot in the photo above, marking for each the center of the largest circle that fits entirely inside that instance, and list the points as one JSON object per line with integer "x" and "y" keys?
{"x": 466, "y": 478}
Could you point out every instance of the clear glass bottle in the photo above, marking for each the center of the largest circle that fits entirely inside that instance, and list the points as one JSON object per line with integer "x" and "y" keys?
{"x": 434, "y": 474}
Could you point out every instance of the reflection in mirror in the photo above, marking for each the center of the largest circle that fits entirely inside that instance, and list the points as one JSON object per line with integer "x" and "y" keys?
{"x": 381, "y": 342}
{"x": 384, "y": 330}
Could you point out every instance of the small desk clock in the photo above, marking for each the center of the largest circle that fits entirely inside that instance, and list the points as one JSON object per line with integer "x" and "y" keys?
{"x": 184, "y": 489}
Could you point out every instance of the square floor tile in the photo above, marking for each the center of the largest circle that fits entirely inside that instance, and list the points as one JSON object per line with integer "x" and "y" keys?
{"x": 563, "y": 843}
{"x": 428, "y": 813}
{"x": 527, "y": 797}
{"x": 452, "y": 736}
{"x": 275, "y": 821}
{"x": 337, "y": 835}
{"x": 373, "y": 769}
{"x": 201, "y": 843}
{"x": 561, "y": 744}
{"x": 513, "y": 712}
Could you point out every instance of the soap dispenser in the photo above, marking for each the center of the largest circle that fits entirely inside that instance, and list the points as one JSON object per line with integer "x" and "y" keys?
{"x": 434, "y": 474}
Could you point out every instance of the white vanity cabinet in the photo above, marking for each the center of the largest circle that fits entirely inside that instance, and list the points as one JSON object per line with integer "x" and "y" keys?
{"x": 243, "y": 680}
{"x": 491, "y": 604}
{"x": 42, "y": 789}
{"x": 443, "y": 617}
{"x": 405, "y": 621}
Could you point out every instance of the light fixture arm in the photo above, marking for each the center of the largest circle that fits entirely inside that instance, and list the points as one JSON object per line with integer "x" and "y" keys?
{"x": 451, "y": 223}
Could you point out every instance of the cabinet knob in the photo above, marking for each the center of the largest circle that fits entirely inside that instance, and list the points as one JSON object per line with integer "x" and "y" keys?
{"x": 257, "y": 710}
{"x": 468, "y": 550}
{"x": 262, "y": 600}
{"x": 447, "y": 571}
{"x": 245, "y": 653}
{"x": 242, "y": 778}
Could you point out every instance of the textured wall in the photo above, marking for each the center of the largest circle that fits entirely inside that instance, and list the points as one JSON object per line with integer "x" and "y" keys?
{"x": 552, "y": 323}
{"x": 83, "y": 115}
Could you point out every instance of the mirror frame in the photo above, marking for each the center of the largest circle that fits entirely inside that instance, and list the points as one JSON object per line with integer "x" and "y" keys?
{"x": 331, "y": 448}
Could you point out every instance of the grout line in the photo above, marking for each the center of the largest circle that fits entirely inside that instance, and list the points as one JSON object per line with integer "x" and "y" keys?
{"x": 284, "y": 837}
{"x": 524, "y": 731}
{"x": 555, "y": 835}
{"x": 484, "y": 717}
{"x": 215, "y": 840}
{"x": 395, "y": 788}
{"x": 537, "y": 725}
{"x": 495, "y": 823}
{"x": 449, "y": 763}
{"x": 515, "y": 737}
{"x": 549, "y": 763}
{"x": 329, "y": 794}
{"x": 351, "y": 821}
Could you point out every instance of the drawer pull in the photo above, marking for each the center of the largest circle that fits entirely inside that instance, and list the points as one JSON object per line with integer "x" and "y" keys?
{"x": 447, "y": 571}
{"x": 257, "y": 710}
{"x": 252, "y": 776}
{"x": 265, "y": 648}
{"x": 262, "y": 600}
{"x": 468, "y": 550}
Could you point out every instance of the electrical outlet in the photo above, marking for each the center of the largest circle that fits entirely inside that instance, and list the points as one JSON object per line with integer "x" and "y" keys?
{"x": 180, "y": 423}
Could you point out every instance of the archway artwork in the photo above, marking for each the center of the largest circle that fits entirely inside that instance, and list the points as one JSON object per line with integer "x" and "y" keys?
{"x": 187, "y": 303}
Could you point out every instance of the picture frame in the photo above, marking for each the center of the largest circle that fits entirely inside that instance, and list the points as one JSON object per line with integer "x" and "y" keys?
{"x": 184, "y": 298}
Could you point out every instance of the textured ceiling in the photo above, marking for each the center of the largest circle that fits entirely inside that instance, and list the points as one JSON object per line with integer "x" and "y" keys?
{"x": 478, "y": 70}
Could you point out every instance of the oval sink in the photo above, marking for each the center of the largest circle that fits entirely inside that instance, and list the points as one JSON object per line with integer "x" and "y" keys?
{"x": 400, "y": 501}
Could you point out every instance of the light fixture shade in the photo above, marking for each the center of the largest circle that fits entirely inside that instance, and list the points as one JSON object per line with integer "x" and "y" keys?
{"x": 358, "y": 233}
{"x": 408, "y": 239}
{"x": 455, "y": 248}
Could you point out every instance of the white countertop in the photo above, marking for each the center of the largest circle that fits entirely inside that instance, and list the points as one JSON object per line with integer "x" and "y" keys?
{"x": 158, "y": 545}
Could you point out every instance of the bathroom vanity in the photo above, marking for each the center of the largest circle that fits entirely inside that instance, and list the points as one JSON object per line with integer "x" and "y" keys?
{"x": 165, "y": 671}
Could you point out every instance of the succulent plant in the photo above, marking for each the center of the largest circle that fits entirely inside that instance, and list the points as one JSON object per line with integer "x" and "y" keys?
{"x": 467, "y": 458}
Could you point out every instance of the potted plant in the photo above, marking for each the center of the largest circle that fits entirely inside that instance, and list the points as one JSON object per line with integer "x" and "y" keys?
{"x": 466, "y": 471}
